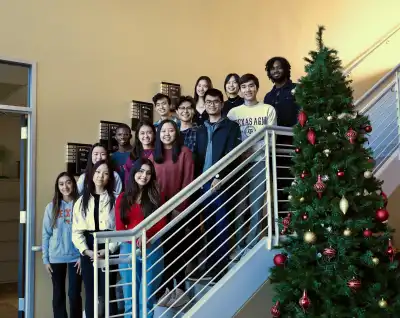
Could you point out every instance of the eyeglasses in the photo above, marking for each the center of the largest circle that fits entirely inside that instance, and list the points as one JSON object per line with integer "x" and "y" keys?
{"x": 185, "y": 108}
{"x": 211, "y": 102}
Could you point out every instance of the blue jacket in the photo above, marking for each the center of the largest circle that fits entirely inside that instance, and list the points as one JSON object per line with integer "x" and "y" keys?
{"x": 57, "y": 246}
{"x": 225, "y": 138}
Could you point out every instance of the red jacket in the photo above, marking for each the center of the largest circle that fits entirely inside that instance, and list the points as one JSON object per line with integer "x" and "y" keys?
{"x": 136, "y": 216}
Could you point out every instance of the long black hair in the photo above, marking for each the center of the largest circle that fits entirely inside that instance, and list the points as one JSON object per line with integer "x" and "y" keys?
{"x": 89, "y": 164}
{"x": 159, "y": 146}
{"x": 137, "y": 149}
{"x": 89, "y": 187}
{"x": 149, "y": 195}
{"x": 201, "y": 78}
{"x": 285, "y": 66}
{"x": 228, "y": 77}
{"x": 57, "y": 197}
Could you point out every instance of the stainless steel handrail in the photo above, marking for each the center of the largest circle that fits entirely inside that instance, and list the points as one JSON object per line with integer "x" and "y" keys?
{"x": 375, "y": 87}
{"x": 372, "y": 49}
{"x": 194, "y": 186}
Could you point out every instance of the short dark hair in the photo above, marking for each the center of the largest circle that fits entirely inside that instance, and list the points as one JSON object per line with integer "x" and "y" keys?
{"x": 285, "y": 65}
{"x": 248, "y": 78}
{"x": 214, "y": 93}
{"x": 189, "y": 99}
{"x": 228, "y": 77}
{"x": 123, "y": 126}
{"x": 159, "y": 96}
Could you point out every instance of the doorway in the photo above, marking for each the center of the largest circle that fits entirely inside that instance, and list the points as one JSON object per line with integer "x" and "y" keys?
{"x": 17, "y": 180}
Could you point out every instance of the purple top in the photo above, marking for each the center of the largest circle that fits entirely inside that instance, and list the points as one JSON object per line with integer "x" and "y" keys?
{"x": 129, "y": 163}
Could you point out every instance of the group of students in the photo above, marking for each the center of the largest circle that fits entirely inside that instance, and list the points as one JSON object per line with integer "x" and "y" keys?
{"x": 120, "y": 190}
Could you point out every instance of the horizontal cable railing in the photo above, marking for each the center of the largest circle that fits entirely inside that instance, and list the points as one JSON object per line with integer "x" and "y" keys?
{"x": 171, "y": 271}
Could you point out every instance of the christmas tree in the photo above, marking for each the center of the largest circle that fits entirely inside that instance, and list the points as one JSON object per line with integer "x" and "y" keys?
{"x": 337, "y": 259}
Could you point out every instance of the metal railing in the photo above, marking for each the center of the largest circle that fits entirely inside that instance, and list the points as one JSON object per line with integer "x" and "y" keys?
{"x": 196, "y": 248}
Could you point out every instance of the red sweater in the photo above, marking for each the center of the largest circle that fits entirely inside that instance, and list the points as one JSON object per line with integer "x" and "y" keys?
{"x": 173, "y": 177}
{"x": 135, "y": 217}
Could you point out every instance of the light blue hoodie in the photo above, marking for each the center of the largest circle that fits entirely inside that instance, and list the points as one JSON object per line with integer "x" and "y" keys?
{"x": 57, "y": 246}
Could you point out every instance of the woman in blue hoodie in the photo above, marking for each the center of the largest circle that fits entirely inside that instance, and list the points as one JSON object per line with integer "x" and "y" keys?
{"x": 59, "y": 253}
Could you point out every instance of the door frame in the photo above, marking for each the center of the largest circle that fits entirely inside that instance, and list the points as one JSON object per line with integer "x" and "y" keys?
{"x": 27, "y": 303}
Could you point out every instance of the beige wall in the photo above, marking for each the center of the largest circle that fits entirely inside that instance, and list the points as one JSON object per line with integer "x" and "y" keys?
{"x": 94, "y": 56}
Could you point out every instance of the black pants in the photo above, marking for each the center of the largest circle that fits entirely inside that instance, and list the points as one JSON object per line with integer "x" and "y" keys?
{"x": 176, "y": 247}
{"x": 88, "y": 281}
{"x": 74, "y": 290}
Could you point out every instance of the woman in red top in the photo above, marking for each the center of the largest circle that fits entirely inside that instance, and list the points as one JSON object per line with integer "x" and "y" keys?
{"x": 141, "y": 198}
{"x": 175, "y": 169}
{"x": 145, "y": 135}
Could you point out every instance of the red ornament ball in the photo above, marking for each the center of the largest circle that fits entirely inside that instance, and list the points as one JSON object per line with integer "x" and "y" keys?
{"x": 275, "y": 312}
{"x": 304, "y": 217}
{"x": 340, "y": 173}
{"x": 368, "y": 128}
{"x": 280, "y": 259}
{"x": 367, "y": 233}
{"x": 354, "y": 284}
{"x": 304, "y": 301}
{"x": 329, "y": 253}
{"x": 297, "y": 150}
{"x": 382, "y": 215}
{"x": 304, "y": 174}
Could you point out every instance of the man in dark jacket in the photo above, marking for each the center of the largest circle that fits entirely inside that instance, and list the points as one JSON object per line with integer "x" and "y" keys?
{"x": 215, "y": 139}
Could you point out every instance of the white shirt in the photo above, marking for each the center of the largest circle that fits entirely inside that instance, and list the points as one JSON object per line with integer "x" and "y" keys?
{"x": 117, "y": 185}
{"x": 252, "y": 119}
{"x": 82, "y": 223}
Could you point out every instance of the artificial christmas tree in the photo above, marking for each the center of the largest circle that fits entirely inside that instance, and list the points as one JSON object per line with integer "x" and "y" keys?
{"x": 338, "y": 259}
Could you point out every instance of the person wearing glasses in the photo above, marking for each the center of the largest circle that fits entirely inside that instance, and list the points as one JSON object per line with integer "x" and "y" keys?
{"x": 215, "y": 139}
{"x": 186, "y": 110}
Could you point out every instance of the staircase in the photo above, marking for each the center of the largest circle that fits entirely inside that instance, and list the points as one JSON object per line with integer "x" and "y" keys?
{"x": 240, "y": 285}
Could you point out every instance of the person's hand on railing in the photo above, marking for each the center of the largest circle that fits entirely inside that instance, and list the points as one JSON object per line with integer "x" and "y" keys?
{"x": 139, "y": 243}
{"x": 215, "y": 186}
{"x": 174, "y": 214}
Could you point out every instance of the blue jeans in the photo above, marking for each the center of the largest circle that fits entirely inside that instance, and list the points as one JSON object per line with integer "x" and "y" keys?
{"x": 256, "y": 199}
{"x": 126, "y": 277}
{"x": 218, "y": 245}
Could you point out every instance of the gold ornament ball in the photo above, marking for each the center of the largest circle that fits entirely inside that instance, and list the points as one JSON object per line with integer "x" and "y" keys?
{"x": 302, "y": 199}
{"x": 329, "y": 118}
{"x": 367, "y": 174}
{"x": 375, "y": 260}
{"x": 310, "y": 237}
{"x": 383, "y": 303}
{"x": 347, "y": 232}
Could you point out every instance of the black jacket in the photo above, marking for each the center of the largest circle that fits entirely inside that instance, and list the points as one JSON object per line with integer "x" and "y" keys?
{"x": 226, "y": 136}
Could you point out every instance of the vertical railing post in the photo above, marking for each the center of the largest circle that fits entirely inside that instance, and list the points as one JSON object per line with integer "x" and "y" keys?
{"x": 107, "y": 279}
{"x": 268, "y": 188}
{"x": 398, "y": 101}
{"x": 144, "y": 274}
{"x": 133, "y": 264}
{"x": 95, "y": 277}
{"x": 275, "y": 188}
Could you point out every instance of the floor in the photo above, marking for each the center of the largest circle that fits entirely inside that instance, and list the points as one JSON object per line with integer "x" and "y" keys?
{"x": 259, "y": 305}
{"x": 9, "y": 300}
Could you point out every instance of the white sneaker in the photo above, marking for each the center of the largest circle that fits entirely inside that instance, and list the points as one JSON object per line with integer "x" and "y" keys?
{"x": 235, "y": 255}
{"x": 244, "y": 252}
{"x": 177, "y": 300}
{"x": 165, "y": 299}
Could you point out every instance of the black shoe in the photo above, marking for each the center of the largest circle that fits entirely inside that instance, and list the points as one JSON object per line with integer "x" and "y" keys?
{"x": 199, "y": 274}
